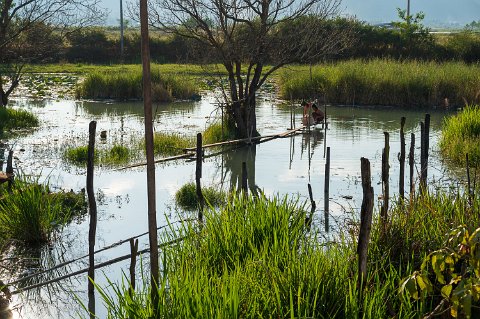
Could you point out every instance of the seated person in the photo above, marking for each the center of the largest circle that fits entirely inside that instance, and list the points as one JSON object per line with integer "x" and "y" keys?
{"x": 317, "y": 115}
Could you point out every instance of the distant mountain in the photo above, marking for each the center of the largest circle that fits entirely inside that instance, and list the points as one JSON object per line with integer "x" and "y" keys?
{"x": 437, "y": 12}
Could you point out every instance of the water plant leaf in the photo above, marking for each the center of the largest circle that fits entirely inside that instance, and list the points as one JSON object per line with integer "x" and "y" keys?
{"x": 446, "y": 291}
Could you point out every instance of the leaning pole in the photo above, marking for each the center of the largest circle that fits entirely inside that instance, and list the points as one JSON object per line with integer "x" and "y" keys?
{"x": 147, "y": 103}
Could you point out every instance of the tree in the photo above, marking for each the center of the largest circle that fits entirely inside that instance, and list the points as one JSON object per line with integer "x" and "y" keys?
{"x": 252, "y": 39}
{"x": 413, "y": 33}
{"x": 21, "y": 18}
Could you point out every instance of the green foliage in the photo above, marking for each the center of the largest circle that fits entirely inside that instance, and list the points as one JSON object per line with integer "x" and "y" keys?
{"x": 78, "y": 155}
{"x": 31, "y": 213}
{"x": 213, "y": 133}
{"x": 464, "y": 46}
{"x": 11, "y": 119}
{"x": 112, "y": 155}
{"x": 412, "y": 31}
{"x": 186, "y": 196}
{"x": 384, "y": 82}
{"x": 461, "y": 135}
{"x": 128, "y": 85}
{"x": 456, "y": 268}
{"x": 170, "y": 143}
{"x": 117, "y": 154}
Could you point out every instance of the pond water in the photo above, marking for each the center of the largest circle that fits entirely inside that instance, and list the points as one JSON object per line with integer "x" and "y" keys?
{"x": 281, "y": 166}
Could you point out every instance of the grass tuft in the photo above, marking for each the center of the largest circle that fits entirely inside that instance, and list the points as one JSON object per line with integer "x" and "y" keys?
{"x": 166, "y": 144}
{"x": 11, "y": 119}
{"x": 186, "y": 197}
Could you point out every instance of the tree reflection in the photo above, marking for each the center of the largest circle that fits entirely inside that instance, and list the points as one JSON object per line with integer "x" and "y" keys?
{"x": 232, "y": 164}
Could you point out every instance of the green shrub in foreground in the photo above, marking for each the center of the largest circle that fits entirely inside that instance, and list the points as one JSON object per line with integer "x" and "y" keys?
{"x": 186, "y": 196}
{"x": 31, "y": 213}
{"x": 11, "y": 119}
{"x": 461, "y": 135}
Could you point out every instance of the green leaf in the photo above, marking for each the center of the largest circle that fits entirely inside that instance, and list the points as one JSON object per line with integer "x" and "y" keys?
{"x": 446, "y": 291}
{"x": 409, "y": 286}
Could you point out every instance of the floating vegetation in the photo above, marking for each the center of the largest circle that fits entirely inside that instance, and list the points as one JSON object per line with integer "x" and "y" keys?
{"x": 186, "y": 197}
{"x": 78, "y": 155}
{"x": 111, "y": 156}
{"x": 166, "y": 144}
{"x": 461, "y": 136}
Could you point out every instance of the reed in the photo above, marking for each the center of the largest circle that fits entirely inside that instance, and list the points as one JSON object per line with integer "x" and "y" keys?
{"x": 186, "y": 197}
{"x": 384, "y": 82}
{"x": 13, "y": 119}
{"x": 461, "y": 135}
{"x": 31, "y": 213}
{"x": 127, "y": 85}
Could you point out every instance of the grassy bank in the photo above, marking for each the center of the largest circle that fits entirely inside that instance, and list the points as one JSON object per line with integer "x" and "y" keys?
{"x": 255, "y": 258}
{"x": 461, "y": 136}
{"x": 384, "y": 82}
{"x": 31, "y": 213}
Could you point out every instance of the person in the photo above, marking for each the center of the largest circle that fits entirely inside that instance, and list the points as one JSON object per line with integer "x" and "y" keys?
{"x": 317, "y": 115}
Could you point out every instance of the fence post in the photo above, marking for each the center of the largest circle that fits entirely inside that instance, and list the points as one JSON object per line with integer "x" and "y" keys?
{"x": 366, "y": 213}
{"x": 133, "y": 262}
{"x": 422, "y": 157}
{"x": 327, "y": 190}
{"x": 244, "y": 179}
{"x": 468, "y": 181}
{"x": 401, "y": 182}
{"x": 313, "y": 205}
{"x": 92, "y": 205}
{"x": 9, "y": 170}
{"x": 411, "y": 163}
{"x": 198, "y": 176}
{"x": 385, "y": 181}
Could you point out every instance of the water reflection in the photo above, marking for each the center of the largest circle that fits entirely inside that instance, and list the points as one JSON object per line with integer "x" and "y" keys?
{"x": 232, "y": 164}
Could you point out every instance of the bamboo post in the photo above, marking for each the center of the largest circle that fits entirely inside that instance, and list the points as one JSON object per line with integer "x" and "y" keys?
{"x": 92, "y": 205}
{"x": 244, "y": 178}
{"x": 385, "y": 180}
{"x": 401, "y": 183}
{"x": 147, "y": 103}
{"x": 366, "y": 213}
{"x": 327, "y": 190}
{"x": 422, "y": 156}
{"x": 133, "y": 263}
{"x": 198, "y": 176}
{"x": 411, "y": 163}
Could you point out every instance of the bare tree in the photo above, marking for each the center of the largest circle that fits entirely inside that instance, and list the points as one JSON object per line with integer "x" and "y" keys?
{"x": 252, "y": 39}
{"x": 20, "y": 17}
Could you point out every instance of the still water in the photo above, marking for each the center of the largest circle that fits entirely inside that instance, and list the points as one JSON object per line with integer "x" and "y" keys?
{"x": 279, "y": 167}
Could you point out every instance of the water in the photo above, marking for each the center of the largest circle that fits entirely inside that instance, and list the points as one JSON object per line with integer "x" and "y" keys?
{"x": 279, "y": 167}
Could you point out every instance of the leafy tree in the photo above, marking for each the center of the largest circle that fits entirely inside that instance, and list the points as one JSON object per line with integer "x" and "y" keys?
{"x": 414, "y": 35}
{"x": 244, "y": 36}
{"x": 22, "y": 18}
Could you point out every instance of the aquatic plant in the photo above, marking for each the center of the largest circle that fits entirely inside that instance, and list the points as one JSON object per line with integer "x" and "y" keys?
{"x": 384, "y": 82}
{"x": 186, "y": 197}
{"x": 461, "y": 136}
{"x": 215, "y": 133}
{"x": 78, "y": 155}
{"x": 30, "y": 212}
{"x": 170, "y": 143}
{"x": 11, "y": 119}
{"x": 117, "y": 154}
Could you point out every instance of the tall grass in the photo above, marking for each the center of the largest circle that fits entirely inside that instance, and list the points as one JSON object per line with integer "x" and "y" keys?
{"x": 128, "y": 85}
{"x": 255, "y": 258}
{"x": 384, "y": 82}
{"x": 11, "y": 119}
{"x": 186, "y": 196}
{"x": 461, "y": 135}
{"x": 31, "y": 213}
{"x": 170, "y": 143}
{"x": 215, "y": 133}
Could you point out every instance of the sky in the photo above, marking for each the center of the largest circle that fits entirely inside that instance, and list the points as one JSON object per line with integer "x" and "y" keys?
{"x": 377, "y": 11}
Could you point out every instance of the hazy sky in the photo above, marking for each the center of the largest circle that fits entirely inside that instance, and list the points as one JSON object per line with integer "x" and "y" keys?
{"x": 438, "y": 11}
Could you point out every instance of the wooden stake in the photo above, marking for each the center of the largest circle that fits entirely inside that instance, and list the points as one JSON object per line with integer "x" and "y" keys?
{"x": 244, "y": 178}
{"x": 411, "y": 163}
{"x": 326, "y": 193}
{"x": 133, "y": 263}
{"x": 9, "y": 169}
{"x": 313, "y": 207}
{"x": 385, "y": 181}
{"x": 427, "y": 146}
{"x": 147, "y": 103}
{"x": 198, "y": 176}
{"x": 468, "y": 181}
{"x": 401, "y": 183}
{"x": 422, "y": 157}
{"x": 92, "y": 205}
{"x": 366, "y": 214}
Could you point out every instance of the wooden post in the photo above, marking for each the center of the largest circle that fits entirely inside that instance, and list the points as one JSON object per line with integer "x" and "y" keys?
{"x": 366, "y": 213}
{"x": 92, "y": 205}
{"x": 401, "y": 182}
{"x": 121, "y": 31}
{"x": 9, "y": 170}
{"x": 133, "y": 262}
{"x": 244, "y": 178}
{"x": 427, "y": 146}
{"x": 468, "y": 181}
{"x": 385, "y": 181}
{"x": 422, "y": 156}
{"x": 313, "y": 207}
{"x": 198, "y": 176}
{"x": 147, "y": 104}
{"x": 326, "y": 193}
{"x": 411, "y": 163}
